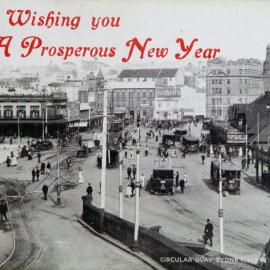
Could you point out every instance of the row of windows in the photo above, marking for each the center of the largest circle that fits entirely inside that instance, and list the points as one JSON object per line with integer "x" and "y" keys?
{"x": 218, "y": 101}
{"x": 145, "y": 79}
{"x": 240, "y": 71}
{"x": 144, "y": 95}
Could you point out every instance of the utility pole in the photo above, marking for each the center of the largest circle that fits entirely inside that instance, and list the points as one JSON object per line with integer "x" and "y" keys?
{"x": 268, "y": 143}
{"x": 220, "y": 211}
{"x": 59, "y": 201}
{"x": 104, "y": 148}
{"x": 246, "y": 145}
{"x": 19, "y": 135}
{"x": 120, "y": 184}
{"x": 258, "y": 129}
{"x": 137, "y": 185}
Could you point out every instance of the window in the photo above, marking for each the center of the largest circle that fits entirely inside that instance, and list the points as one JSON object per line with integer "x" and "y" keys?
{"x": 246, "y": 81}
{"x": 83, "y": 96}
{"x": 219, "y": 81}
{"x": 228, "y": 81}
{"x": 117, "y": 96}
{"x": 240, "y": 90}
{"x": 240, "y": 81}
{"x": 144, "y": 94}
{"x": 240, "y": 71}
{"x": 144, "y": 113}
{"x": 240, "y": 100}
{"x": 219, "y": 112}
{"x": 124, "y": 95}
{"x": 34, "y": 112}
{"x": 213, "y": 101}
{"x": 220, "y": 101}
{"x": 228, "y": 71}
{"x": 220, "y": 90}
{"x": 129, "y": 79}
{"x": 213, "y": 81}
{"x": 228, "y": 101}
{"x": 170, "y": 79}
{"x": 151, "y": 95}
{"x": 21, "y": 111}
{"x": 8, "y": 112}
{"x": 228, "y": 90}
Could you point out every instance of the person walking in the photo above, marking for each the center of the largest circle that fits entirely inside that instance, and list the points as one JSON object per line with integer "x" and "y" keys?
{"x": 3, "y": 210}
{"x": 45, "y": 189}
{"x": 243, "y": 162}
{"x": 68, "y": 162}
{"x": 203, "y": 158}
{"x": 42, "y": 168}
{"x": 182, "y": 185}
{"x": 248, "y": 161}
{"x": 39, "y": 157}
{"x": 132, "y": 184}
{"x": 129, "y": 172}
{"x": 134, "y": 170}
{"x": 33, "y": 175}
{"x": 177, "y": 179}
{"x": 81, "y": 178}
{"x": 48, "y": 167}
{"x": 89, "y": 190}
{"x": 208, "y": 232}
{"x": 37, "y": 173}
{"x": 8, "y": 161}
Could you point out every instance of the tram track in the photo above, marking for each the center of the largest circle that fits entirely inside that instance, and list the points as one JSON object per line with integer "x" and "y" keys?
{"x": 27, "y": 244}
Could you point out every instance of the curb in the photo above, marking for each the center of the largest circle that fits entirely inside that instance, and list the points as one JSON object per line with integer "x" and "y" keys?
{"x": 114, "y": 243}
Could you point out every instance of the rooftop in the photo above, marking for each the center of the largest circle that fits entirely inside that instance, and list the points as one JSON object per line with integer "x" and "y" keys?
{"x": 148, "y": 73}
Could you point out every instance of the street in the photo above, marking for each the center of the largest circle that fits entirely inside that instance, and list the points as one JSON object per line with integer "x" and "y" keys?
{"x": 181, "y": 217}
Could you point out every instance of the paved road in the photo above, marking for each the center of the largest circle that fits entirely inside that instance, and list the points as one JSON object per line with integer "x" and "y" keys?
{"x": 58, "y": 241}
{"x": 182, "y": 217}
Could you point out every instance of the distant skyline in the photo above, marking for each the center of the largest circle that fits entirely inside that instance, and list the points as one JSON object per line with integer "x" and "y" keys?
{"x": 239, "y": 28}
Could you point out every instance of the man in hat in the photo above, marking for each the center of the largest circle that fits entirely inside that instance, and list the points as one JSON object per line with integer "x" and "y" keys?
{"x": 3, "y": 210}
{"x": 208, "y": 232}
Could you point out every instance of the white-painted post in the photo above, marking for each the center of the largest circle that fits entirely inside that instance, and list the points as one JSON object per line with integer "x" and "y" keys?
{"x": 104, "y": 148}
{"x": 120, "y": 184}
{"x": 220, "y": 212}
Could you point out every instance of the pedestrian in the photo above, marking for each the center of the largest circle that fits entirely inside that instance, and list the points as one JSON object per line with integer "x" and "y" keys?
{"x": 126, "y": 153}
{"x": 8, "y": 161}
{"x": 33, "y": 175}
{"x": 81, "y": 178}
{"x": 134, "y": 169}
{"x": 177, "y": 179}
{"x": 132, "y": 184}
{"x": 129, "y": 172}
{"x": 208, "y": 232}
{"x": 68, "y": 162}
{"x": 89, "y": 190}
{"x": 248, "y": 161}
{"x": 48, "y": 167}
{"x": 42, "y": 168}
{"x": 130, "y": 154}
{"x": 142, "y": 180}
{"x": 243, "y": 162}
{"x": 99, "y": 161}
{"x": 3, "y": 209}
{"x": 146, "y": 150}
{"x": 203, "y": 158}
{"x": 39, "y": 157}
{"x": 37, "y": 173}
{"x": 129, "y": 191}
{"x": 184, "y": 153}
{"x": 182, "y": 185}
{"x": 10, "y": 140}
{"x": 45, "y": 189}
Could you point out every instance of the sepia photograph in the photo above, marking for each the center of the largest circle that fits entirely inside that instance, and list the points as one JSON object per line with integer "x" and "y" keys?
{"x": 134, "y": 135}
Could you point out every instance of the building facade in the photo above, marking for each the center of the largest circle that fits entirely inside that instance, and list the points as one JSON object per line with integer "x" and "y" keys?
{"x": 32, "y": 113}
{"x": 229, "y": 82}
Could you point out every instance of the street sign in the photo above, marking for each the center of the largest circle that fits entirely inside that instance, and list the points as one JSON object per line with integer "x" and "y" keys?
{"x": 220, "y": 213}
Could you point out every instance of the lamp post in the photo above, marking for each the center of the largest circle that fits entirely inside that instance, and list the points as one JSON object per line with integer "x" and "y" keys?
{"x": 137, "y": 185}
{"x": 120, "y": 184}
{"x": 104, "y": 147}
{"x": 267, "y": 108}
{"x": 220, "y": 211}
{"x": 19, "y": 135}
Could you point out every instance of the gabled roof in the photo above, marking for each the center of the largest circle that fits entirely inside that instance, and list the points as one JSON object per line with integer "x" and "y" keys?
{"x": 148, "y": 73}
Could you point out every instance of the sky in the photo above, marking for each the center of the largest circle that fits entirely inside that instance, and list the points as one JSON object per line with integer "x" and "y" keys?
{"x": 240, "y": 29}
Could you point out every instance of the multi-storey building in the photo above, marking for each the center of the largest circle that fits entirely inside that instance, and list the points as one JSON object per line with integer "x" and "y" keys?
{"x": 135, "y": 92}
{"x": 32, "y": 113}
{"x": 229, "y": 82}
